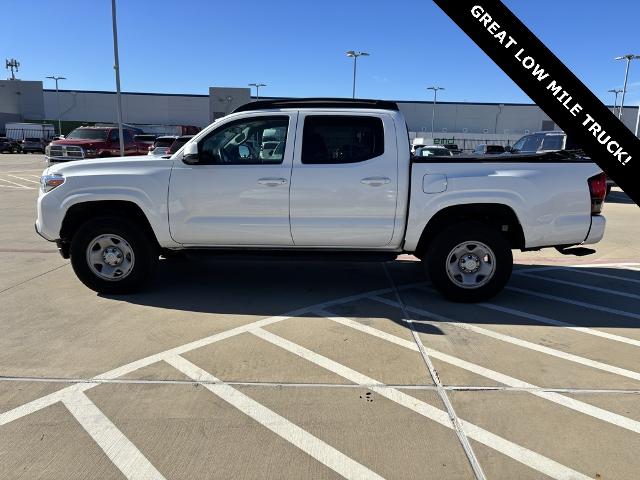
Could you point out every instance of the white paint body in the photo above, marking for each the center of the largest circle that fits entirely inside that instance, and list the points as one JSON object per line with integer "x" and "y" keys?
{"x": 326, "y": 206}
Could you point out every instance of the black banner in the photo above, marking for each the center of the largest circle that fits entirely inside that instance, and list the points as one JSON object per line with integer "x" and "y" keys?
{"x": 542, "y": 76}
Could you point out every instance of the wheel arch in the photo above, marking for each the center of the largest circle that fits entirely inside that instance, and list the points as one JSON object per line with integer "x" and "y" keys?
{"x": 80, "y": 213}
{"x": 501, "y": 216}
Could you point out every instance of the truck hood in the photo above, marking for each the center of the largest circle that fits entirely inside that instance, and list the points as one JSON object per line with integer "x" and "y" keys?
{"x": 139, "y": 164}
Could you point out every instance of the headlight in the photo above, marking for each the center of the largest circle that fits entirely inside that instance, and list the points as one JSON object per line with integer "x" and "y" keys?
{"x": 49, "y": 182}
{"x": 47, "y": 150}
{"x": 90, "y": 152}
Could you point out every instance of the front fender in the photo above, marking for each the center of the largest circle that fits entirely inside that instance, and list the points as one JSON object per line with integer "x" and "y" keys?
{"x": 147, "y": 190}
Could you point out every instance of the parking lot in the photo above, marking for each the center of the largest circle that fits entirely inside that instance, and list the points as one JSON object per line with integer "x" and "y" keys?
{"x": 255, "y": 368}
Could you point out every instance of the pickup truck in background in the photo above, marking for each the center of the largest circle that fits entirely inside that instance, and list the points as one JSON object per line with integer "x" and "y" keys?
{"x": 551, "y": 141}
{"x": 93, "y": 142}
{"x": 319, "y": 175}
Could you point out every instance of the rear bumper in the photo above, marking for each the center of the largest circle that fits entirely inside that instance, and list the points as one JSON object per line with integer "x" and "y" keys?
{"x": 596, "y": 232}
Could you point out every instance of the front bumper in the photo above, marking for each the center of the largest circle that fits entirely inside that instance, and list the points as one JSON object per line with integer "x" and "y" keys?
{"x": 49, "y": 216}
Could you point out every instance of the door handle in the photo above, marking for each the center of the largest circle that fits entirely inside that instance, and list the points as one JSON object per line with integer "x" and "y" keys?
{"x": 272, "y": 182}
{"x": 375, "y": 181}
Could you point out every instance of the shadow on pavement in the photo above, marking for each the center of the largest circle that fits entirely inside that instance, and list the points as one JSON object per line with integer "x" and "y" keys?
{"x": 618, "y": 197}
{"x": 266, "y": 288}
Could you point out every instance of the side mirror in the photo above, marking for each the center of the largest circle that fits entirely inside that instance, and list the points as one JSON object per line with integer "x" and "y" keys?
{"x": 190, "y": 156}
{"x": 508, "y": 149}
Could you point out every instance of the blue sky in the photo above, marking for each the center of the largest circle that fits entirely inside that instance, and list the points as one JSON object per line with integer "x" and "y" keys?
{"x": 297, "y": 47}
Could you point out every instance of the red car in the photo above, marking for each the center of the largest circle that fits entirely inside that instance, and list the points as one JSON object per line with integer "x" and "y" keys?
{"x": 93, "y": 142}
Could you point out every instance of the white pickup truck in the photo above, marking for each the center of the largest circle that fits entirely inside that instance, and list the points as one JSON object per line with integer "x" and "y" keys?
{"x": 318, "y": 175}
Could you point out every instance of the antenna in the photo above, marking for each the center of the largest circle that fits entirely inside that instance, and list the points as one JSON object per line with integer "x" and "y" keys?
{"x": 11, "y": 64}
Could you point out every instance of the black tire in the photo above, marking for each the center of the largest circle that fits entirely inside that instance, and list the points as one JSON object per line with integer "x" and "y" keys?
{"x": 439, "y": 264}
{"x": 144, "y": 249}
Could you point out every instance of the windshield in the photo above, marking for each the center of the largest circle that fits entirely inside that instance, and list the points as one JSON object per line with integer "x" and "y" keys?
{"x": 177, "y": 145}
{"x": 88, "y": 134}
{"x": 434, "y": 152}
{"x": 164, "y": 142}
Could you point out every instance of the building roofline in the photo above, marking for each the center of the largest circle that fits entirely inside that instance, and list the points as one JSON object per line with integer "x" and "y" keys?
{"x": 398, "y": 102}
{"x": 110, "y": 92}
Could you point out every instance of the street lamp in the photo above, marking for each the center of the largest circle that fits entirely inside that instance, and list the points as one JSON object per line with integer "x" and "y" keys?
{"x": 433, "y": 111}
{"x": 353, "y": 54}
{"x": 257, "y": 85}
{"x": 56, "y": 78}
{"x": 615, "y": 91}
{"x": 628, "y": 57}
{"x": 116, "y": 67}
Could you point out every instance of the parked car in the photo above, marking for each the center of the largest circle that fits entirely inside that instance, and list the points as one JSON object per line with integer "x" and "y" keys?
{"x": 145, "y": 140}
{"x": 161, "y": 145}
{"x": 9, "y": 145}
{"x": 453, "y": 147}
{"x": 552, "y": 141}
{"x": 178, "y": 144}
{"x": 92, "y": 142}
{"x": 33, "y": 144}
{"x": 484, "y": 149}
{"x": 416, "y": 146}
{"x": 433, "y": 151}
{"x": 341, "y": 180}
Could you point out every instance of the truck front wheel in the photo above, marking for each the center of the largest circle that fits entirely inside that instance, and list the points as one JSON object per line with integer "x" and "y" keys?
{"x": 113, "y": 256}
{"x": 469, "y": 262}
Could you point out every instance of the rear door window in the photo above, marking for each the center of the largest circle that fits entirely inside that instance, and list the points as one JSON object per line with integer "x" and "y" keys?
{"x": 329, "y": 139}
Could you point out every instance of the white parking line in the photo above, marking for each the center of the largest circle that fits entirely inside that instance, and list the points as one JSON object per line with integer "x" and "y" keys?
{"x": 478, "y": 472}
{"x": 311, "y": 445}
{"x": 602, "y": 275}
{"x": 14, "y": 183}
{"x": 516, "y": 341}
{"x": 579, "y": 285}
{"x": 24, "y": 179}
{"x": 582, "y": 407}
{"x": 559, "y": 323}
{"x": 523, "y": 455}
{"x": 591, "y": 306}
{"x": 544, "y": 268}
{"x": 124, "y": 454}
{"x": 50, "y": 399}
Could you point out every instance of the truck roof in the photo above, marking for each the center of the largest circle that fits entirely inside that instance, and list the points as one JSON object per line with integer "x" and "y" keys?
{"x": 347, "y": 103}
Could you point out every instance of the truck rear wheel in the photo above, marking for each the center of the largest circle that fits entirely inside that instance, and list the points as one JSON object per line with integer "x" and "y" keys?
{"x": 469, "y": 262}
{"x": 113, "y": 256}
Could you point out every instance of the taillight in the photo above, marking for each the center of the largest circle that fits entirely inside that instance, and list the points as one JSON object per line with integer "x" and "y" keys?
{"x": 598, "y": 191}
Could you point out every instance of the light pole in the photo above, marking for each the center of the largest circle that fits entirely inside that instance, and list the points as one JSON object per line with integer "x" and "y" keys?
{"x": 433, "y": 111}
{"x": 257, "y": 85}
{"x": 116, "y": 67}
{"x": 353, "y": 54}
{"x": 628, "y": 57}
{"x": 56, "y": 78}
{"x": 615, "y": 91}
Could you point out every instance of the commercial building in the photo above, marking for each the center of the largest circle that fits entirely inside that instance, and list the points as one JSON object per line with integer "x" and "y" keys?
{"x": 464, "y": 123}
